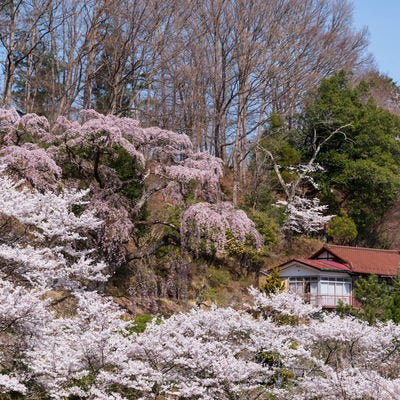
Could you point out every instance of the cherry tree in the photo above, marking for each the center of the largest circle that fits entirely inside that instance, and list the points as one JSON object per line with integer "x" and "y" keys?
{"x": 351, "y": 359}
{"x": 199, "y": 167}
{"x": 305, "y": 215}
{"x": 88, "y": 346}
{"x": 218, "y": 353}
{"x": 23, "y": 316}
{"x": 125, "y": 166}
{"x": 203, "y": 354}
{"x": 207, "y": 225}
{"x": 341, "y": 357}
{"x": 172, "y": 358}
{"x": 20, "y": 150}
{"x": 45, "y": 245}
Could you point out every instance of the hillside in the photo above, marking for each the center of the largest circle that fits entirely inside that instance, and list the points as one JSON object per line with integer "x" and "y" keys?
{"x": 176, "y": 230}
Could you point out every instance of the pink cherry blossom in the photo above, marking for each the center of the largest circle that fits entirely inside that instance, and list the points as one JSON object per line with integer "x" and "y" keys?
{"x": 211, "y": 223}
{"x": 32, "y": 163}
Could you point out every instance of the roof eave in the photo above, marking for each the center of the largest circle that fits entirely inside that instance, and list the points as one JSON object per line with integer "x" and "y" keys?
{"x": 345, "y": 271}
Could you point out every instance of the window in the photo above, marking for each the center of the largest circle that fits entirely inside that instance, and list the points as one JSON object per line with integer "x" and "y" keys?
{"x": 324, "y": 291}
{"x": 306, "y": 287}
{"x": 302, "y": 285}
{"x": 335, "y": 289}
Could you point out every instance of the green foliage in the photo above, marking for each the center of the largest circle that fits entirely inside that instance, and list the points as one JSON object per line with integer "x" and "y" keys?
{"x": 342, "y": 229}
{"x": 273, "y": 284}
{"x": 282, "y": 376}
{"x": 214, "y": 295}
{"x": 375, "y": 299}
{"x": 128, "y": 170}
{"x": 362, "y": 161}
{"x": 283, "y": 145}
{"x": 84, "y": 383}
{"x": 140, "y": 323}
{"x": 288, "y": 155}
{"x": 250, "y": 259}
{"x": 266, "y": 225}
{"x": 379, "y": 300}
{"x": 275, "y": 123}
{"x": 371, "y": 190}
{"x": 395, "y": 304}
{"x": 344, "y": 309}
{"x": 259, "y": 196}
{"x": 217, "y": 281}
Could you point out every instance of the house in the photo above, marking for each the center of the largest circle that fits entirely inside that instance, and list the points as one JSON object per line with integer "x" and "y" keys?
{"x": 328, "y": 276}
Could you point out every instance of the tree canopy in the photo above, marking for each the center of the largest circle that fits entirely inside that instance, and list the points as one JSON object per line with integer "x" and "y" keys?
{"x": 361, "y": 164}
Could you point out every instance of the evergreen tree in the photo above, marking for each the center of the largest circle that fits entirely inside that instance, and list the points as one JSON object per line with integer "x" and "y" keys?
{"x": 361, "y": 164}
{"x": 375, "y": 298}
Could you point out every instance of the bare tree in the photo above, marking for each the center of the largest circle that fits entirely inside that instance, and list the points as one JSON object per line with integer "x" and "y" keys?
{"x": 23, "y": 27}
{"x": 249, "y": 48}
{"x": 315, "y": 40}
{"x": 213, "y": 69}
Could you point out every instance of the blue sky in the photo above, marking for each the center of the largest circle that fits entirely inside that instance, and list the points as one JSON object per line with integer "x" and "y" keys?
{"x": 382, "y": 19}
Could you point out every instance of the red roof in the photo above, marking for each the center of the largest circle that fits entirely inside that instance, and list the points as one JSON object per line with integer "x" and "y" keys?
{"x": 364, "y": 260}
{"x": 324, "y": 265}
